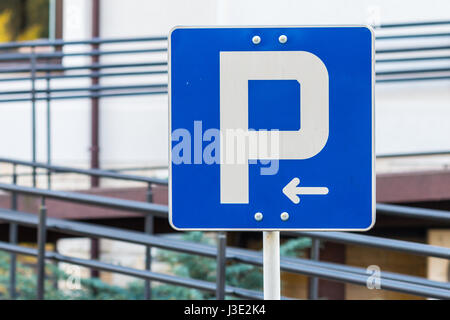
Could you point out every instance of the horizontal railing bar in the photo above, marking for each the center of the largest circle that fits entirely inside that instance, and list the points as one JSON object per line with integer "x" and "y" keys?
{"x": 49, "y": 67}
{"x": 412, "y": 24}
{"x": 94, "y": 74}
{"x": 90, "y": 88}
{"x": 23, "y": 174}
{"x": 413, "y": 212}
{"x": 413, "y": 79}
{"x": 108, "y": 202}
{"x": 389, "y": 60}
{"x": 409, "y": 36}
{"x": 88, "y": 96}
{"x": 124, "y": 169}
{"x": 377, "y": 242}
{"x": 58, "y": 42}
{"x": 409, "y": 49}
{"x": 119, "y": 170}
{"x": 60, "y": 54}
{"x": 90, "y": 230}
{"x": 413, "y": 154}
{"x": 111, "y": 233}
{"x": 408, "y": 71}
{"x": 90, "y": 172}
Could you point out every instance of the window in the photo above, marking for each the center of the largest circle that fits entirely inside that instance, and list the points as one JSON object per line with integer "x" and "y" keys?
{"x": 22, "y": 20}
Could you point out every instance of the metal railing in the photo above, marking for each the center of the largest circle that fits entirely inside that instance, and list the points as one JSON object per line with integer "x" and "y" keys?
{"x": 37, "y": 70}
{"x": 412, "y": 52}
{"x": 148, "y": 220}
{"x": 313, "y": 268}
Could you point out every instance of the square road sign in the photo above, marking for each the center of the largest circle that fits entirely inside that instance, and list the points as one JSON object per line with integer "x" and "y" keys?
{"x": 271, "y": 128}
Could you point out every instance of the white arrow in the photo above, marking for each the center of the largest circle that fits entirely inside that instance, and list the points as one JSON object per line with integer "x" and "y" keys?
{"x": 292, "y": 191}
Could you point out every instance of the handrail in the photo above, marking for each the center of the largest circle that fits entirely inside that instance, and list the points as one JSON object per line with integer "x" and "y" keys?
{"x": 91, "y": 172}
{"x": 58, "y": 42}
{"x": 53, "y": 67}
{"x": 107, "y": 202}
{"x": 378, "y": 242}
{"x": 413, "y": 212}
{"x": 93, "y": 87}
{"x": 28, "y": 56}
{"x": 413, "y": 24}
{"x": 415, "y": 154}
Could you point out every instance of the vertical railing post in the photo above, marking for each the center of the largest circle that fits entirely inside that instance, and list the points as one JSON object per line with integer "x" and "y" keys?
{"x": 49, "y": 146}
{"x": 42, "y": 235}
{"x": 13, "y": 239}
{"x": 221, "y": 265}
{"x": 313, "y": 293}
{"x": 95, "y": 80}
{"x": 148, "y": 229}
{"x": 33, "y": 110}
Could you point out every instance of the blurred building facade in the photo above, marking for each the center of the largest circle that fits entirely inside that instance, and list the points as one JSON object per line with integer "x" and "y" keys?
{"x": 411, "y": 117}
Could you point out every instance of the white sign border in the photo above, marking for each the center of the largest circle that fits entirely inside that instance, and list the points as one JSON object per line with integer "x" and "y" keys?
{"x": 170, "y": 129}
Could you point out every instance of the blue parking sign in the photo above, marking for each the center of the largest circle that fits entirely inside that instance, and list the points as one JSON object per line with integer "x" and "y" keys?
{"x": 271, "y": 128}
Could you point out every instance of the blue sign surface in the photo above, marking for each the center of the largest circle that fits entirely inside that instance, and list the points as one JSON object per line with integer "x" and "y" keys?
{"x": 271, "y": 128}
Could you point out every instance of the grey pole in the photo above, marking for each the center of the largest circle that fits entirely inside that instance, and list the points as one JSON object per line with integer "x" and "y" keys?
{"x": 42, "y": 230}
{"x": 13, "y": 237}
{"x": 33, "y": 110}
{"x": 148, "y": 229}
{"x": 313, "y": 293}
{"x": 221, "y": 265}
{"x": 49, "y": 146}
{"x": 271, "y": 267}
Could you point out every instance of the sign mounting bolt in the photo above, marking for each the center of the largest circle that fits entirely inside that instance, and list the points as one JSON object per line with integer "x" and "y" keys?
{"x": 284, "y": 216}
{"x": 258, "y": 216}
{"x": 256, "y": 39}
{"x": 282, "y": 38}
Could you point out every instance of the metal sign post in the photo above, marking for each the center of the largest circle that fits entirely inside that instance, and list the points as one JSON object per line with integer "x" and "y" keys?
{"x": 271, "y": 267}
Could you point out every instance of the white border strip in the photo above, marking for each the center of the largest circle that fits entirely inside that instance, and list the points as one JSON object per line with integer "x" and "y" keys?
{"x": 170, "y": 127}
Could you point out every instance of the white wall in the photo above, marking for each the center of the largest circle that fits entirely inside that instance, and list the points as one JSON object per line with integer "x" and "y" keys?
{"x": 292, "y": 12}
{"x": 409, "y": 116}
